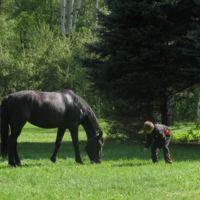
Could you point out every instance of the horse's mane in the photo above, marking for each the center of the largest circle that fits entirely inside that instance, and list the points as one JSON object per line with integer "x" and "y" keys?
{"x": 85, "y": 107}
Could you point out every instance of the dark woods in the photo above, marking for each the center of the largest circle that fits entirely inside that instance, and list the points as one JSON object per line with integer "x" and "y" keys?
{"x": 147, "y": 55}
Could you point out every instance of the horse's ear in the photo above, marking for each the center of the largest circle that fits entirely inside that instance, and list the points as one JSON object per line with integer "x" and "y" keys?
{"x": 101, "y": 138}
{"x": 100, "y": 134}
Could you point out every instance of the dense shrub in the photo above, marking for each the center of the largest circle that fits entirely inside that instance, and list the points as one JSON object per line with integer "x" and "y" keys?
{"x": 186, "y": 105}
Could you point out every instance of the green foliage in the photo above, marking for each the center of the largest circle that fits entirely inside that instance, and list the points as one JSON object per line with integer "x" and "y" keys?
{"x": 186, "y": 105}
{"x": 31, "y": 13}
{"x": 143, "y": 56}
{"x": 49, "y": 58}
{"x": 186, "y": 132}
{"x": 10, "y": 71}
{"x": 182, "y": 137}
{"x": 47, "y": 63}
{"x": 34, "y": 55}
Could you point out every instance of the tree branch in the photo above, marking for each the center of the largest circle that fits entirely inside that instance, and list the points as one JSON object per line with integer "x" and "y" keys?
{"x": 16, "y": 3}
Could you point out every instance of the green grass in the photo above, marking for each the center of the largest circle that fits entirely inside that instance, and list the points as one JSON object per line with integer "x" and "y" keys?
{"x": 125, "y": 173}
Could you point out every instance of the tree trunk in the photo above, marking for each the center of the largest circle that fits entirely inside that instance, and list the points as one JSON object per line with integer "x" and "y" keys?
{"x": 69, "y": 15}
{"x": 150, "y": 112}
{"x": 23, "y": 31}
{"x": 51, "y": 14}
{"x": 198, "y": 108}
{"x": 170, "y": 109}
{"x": 62, "y": 16}
{"x": 95, "y": 12}
{"x": 78, "y": 6}
{"x": 163, "y": 110}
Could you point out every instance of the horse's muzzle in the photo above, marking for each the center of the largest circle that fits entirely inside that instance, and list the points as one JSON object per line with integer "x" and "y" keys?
{"x": 96, "y": 161}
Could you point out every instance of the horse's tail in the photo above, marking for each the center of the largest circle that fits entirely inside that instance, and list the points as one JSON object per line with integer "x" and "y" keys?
{"x": 4, "y": 127}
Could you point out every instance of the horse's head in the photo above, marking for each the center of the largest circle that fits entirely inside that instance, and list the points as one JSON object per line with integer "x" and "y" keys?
{"x": 94, "y": 148}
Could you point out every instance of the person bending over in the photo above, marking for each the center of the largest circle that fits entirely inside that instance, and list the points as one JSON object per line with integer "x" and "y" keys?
{"x": 160, "y": 135}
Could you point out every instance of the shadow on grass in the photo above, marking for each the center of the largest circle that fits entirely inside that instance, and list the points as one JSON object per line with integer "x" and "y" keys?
{"x": 131, "y": 164}
{"x": 185, "y": 152}
{"x": 111, "y": 152}
{"x": 133, "y": 150}
{"x": 43, "y": 151}
{"x": 37, "y": 151}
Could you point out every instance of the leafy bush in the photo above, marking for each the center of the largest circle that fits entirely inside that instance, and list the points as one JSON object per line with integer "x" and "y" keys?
{"x": 188, "y": 132}
{"x": 186, "y": 105}
{"x": 47, "y": 63}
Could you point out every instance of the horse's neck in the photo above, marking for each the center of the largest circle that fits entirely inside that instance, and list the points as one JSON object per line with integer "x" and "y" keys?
{"x": 91, "y": 126}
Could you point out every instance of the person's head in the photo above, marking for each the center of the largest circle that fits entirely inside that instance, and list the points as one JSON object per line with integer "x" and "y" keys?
{"x": 148, "y": 127}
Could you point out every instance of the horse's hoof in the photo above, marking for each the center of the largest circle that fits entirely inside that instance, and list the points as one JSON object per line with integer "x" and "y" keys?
{"x": 12, "y": 165}
{"x": 79, "y": 162}
{"x": 19, "y": 164}
{"x": 53, "y": 160}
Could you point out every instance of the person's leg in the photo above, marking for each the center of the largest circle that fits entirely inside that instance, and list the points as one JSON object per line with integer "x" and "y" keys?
{"x": 154, "y": 154}
{"x": 166, "y": 150}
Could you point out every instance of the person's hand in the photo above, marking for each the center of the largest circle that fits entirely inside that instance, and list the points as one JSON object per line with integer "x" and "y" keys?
{"x": 145, "y": 149}
{"x": 157, "y": 150}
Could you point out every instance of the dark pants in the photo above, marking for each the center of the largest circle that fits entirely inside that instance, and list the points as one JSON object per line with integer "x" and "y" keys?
{"x": 165, "y": 148}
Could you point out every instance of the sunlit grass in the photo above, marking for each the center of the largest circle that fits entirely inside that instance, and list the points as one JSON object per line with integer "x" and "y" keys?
{"x": 125, "y": 173}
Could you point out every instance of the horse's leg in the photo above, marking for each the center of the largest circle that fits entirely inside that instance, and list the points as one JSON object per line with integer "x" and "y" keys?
{"x": 58, "y": 142}
{"x": 13, "y": 157}
{"x": 11, "y": 143}
{"x": 17, "y": 160}
{"x": 74, "y": 134}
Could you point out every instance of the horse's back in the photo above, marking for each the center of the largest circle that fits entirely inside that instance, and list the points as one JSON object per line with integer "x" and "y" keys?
{"x": 43, "y": 109}
{"x": 49, "y": 109}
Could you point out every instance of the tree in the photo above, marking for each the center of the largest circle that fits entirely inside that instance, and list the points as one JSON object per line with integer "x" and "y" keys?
{"x": 95, "y": 12}
{"x": 62, "y": 16}
{"x": 72, "y": 22}
{"x": 69, "y": 15}
{"x": 144, "y": 56}
{"x": 30, "y": 14}
{"x": 78, "y": 7}
{"x": 186, "y": 104}
{"x": 198, "y": 108}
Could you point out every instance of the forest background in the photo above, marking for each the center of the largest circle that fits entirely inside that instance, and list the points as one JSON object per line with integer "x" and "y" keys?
{"x": 42, "y": 47}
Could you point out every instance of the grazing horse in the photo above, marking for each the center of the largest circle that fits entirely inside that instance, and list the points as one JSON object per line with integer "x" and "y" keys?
{"x": 63, "y": 109}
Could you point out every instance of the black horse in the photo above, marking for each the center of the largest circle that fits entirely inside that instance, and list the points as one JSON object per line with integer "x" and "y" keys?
{"x": 63, "y": 109}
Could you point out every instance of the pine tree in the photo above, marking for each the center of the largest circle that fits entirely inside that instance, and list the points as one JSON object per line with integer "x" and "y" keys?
{"x": 146, "y": 53}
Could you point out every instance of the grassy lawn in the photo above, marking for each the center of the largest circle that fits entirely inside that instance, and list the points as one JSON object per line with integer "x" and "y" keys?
{"x": 125, "y": 173}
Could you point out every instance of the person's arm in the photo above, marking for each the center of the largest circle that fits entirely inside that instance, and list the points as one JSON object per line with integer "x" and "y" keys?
{"x": 148, "y": 142}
